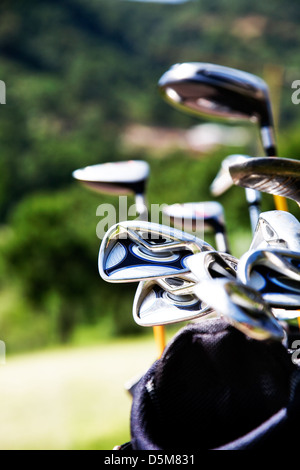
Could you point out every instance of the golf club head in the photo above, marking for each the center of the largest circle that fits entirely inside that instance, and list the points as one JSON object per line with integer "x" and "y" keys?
{"x": 155, "y": 306}
{"x": 275, "y": 274}
{"x": 192, "y": 215}
{"x": 213, "y": 265}
{"x": 241, "y": 306}
{"x": 214, "y": 91}
{"x": 277, "y": 176}
{"x": 120, "y": 178}
{"x": 135, "y": 251}
{"x": 276, "y": 229}
{"x": 200, "y": 217}
{"x": 223, "y": 181}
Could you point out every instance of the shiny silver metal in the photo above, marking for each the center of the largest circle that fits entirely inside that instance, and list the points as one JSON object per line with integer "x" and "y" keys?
{"x": 201, "y": 217}
{"x": 277, "y": 176}
{"x": 134, "y": 251}
{"x": 241, "y": 306}
{"x": 275, "y": 274}
{"x": 118, "y": 178}
{"x": 223, "y": 182}
{"x": 155, "y": 306}
{"x": 213, "y": 265}
{"x": 219, "y": 92}
{"x": 277, "y": 229}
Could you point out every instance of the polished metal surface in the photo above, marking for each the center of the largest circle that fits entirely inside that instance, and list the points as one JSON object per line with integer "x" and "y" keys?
{"x": 213, "y": 265}
{"x": 277, "y": 229}
{"x": 134, "y": 251}
{"x": 215, "y": 91}
{"x": 275, "y": 274}
{"x": 155, "y": 306}
{"x": 277, "y": 176}
{"x": 241, "y": 306}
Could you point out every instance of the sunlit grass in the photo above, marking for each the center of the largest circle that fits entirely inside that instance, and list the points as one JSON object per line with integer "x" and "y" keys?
{"x": 70, "y": 398}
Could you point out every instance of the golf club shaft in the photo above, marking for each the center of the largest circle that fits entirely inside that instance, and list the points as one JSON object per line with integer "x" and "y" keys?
{"x": 160, "y": 338}
{"x": 269, "y": 144}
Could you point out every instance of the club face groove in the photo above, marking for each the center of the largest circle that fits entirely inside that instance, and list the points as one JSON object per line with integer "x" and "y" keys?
{"x": 277, "y": 176}
{"x": 243, "y": 307}
{"x": 134, "y": 251}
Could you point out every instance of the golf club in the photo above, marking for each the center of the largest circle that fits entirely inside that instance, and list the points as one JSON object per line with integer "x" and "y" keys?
{"x": 223, "y": 182}
{"x": 223, "y": 93}
{"x": 275, "y": 274}
{"x": 277, "y": 229}
{"x": 118, "y": 178}
{"x": 122, "y": 178}
{"x": 200, "y": 215}
{"x": 241, "y": 306}
{"x": 279, "y": 176}
{"x": 155, "y": 306}
{"x": 134, "y": 251}
{"x": 212, "y": 265}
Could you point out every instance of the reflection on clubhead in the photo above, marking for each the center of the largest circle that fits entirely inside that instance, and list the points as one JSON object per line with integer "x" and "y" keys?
{"x": 134, "y": 251}
{"x": 275, "y": 274}
{"x": 241, "y": 306}
{"x": 277, "y": 229}
{"x": 277, "y": 176}
{"x": 213, "y": 265}
{"x": 155, "y": 306}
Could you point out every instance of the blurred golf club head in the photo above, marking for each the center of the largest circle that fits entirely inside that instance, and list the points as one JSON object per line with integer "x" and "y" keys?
{"x": 118, "y": 178}
{"x": 215, "y": 91}
{"x": 202, "y": 217}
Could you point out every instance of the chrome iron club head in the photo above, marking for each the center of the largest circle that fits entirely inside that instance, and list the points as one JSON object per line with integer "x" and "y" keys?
{"x": 135, "y": 251}
{"x": 277, "y": 176}
{"x": 213, "y": 265}
{"x": 155, "y": 306}
{"x": 275, "y": 274}
{"x": 200, "y": 216}
{"x": 277, "y": 229}
{"x": 155, "y": 303}
{"x": 241, "y": 306}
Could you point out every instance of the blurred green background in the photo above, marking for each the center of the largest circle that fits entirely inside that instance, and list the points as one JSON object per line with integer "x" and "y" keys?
{"x": 81, "y": 78}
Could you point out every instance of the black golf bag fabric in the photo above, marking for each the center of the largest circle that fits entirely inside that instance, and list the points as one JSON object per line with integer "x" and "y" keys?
{"x": 215, "y": 388}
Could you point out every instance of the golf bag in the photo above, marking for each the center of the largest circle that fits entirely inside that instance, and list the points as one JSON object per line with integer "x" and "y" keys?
{"x": 216, "y": 389}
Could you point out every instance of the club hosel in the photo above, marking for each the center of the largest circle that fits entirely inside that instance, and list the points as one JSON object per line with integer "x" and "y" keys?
{"x": 142, "y": 207}
{"x": 268, "y": 141}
